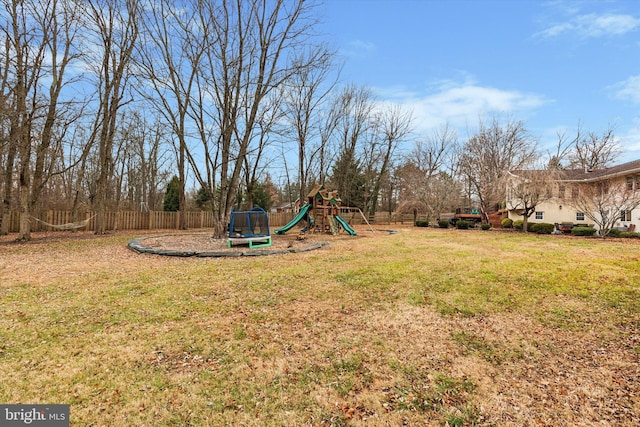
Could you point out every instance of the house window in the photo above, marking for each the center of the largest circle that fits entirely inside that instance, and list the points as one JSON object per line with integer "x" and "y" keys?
{"x": 561, "y": 191}
{"x": 625, "y": 216}
{"x": 579, "y": 216}
{"x": 539, "y": 215}
{"x": 637, "y": 182}
{"x": 630, "y": 183}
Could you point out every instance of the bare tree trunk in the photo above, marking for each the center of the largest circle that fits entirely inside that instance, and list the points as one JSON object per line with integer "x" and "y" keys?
{"x": 8, "y": 188}
{"x": 394, "y": 126}
{"x": 38, "y": 30}
{"x": 7, "y": 143}
{"x": 354, "y": 125}
{"x": 303, "y": 99}
{"x": 116, "y": 24}
{"x": 246, "y": 63}
{"x": 27, "y": 69}
{"x": 170, "y": 60}
{"x": 60, "y": 25}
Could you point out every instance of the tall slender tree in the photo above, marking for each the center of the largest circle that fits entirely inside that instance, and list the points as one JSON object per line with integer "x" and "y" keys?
{"x": 175, "y": 37}
{"x": 115, "y": 23}
{"x": 251, "y": 57}
{"x": 304, "y": 98}
{"x": 40, "y": 46}
{"x": 353, "y": 129}
{"x": 392, "y": 125}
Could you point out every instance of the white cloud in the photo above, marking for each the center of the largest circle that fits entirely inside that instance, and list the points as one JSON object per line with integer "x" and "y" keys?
{"x": 593, "y": 25}
{"x": 628, "y": 89}
{"x": 358, "y": 48}
{"x": 630, "y": 140}
{"x": 461, "y": 104}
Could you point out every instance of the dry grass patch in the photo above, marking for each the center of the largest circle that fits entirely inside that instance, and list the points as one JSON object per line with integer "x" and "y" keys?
{"x": 424, "y": 327}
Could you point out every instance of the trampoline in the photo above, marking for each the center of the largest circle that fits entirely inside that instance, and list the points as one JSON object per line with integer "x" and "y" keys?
{"x": 249, "y": 227}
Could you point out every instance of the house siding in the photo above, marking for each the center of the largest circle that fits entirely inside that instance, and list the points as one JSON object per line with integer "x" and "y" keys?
{"x": 559, "y": 209}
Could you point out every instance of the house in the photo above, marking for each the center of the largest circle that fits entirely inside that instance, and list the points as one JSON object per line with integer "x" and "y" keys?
{"x": 577, "y": 196}
{"x": 286, "y": 207}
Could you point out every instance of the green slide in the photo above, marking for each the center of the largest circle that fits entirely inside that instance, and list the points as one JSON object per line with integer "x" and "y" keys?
{"x": 344, "y": 225}
{"x": 295, "y": 220}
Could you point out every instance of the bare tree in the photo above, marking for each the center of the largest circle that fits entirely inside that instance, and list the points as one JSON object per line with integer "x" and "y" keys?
{"x": 255, "y": 163}
{"x": 254, "y": 41}
{"x": 586, "y": 150}
{"x": 175, "y": 38}
{"x": 304, "y": 97}
{"x": 426, "y": 175}
{"x": 26, "y": 58}
{"x": 8, "y": 147}
{"x": 140, "y": 159}
{"x": 62, "y": 23}
{"x": 593, "y": 151}
{"x": 40, "y": 45}
{"x": 563, "y": 149}
{"x": 116, "y": 28}
{"x": 604, "y": 202}
{"x": 527, "y": 189}
{"x": 354, "y": 113}
{"x": 488, "y": 155}
{"x": 392, "y": 125}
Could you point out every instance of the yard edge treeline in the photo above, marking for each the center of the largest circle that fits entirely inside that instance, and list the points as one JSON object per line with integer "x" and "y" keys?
{"x": 102, "y": 101}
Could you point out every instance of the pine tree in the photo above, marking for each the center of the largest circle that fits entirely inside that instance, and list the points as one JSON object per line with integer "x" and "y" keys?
{"x": 171, "y": 196}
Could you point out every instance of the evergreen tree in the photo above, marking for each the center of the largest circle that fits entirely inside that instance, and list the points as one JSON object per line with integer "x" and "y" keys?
{"x": 262, "y": 197}
{"x": 171, "y": 196}
{"x": 203, "y": 199}
{"x": 347, "y": 177}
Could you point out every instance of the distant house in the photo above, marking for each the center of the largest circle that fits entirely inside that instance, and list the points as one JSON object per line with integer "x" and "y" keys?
{"x": 286, "y": 207}
{"x": 619, "y": 186}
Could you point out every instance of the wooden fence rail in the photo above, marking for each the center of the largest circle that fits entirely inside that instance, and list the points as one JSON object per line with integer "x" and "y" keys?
{"x": 130, "y": 220}
{"x": 157, "y": 220}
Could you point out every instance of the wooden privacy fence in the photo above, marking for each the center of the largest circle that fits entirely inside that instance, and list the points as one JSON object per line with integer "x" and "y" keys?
{"x": 157, "y": 220}
{"x": 130, "y": 220}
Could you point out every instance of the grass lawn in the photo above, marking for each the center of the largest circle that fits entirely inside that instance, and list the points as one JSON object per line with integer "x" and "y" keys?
{"x": 422, "y": 327}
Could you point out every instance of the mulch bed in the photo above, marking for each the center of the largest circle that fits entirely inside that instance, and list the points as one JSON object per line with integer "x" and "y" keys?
{"x": 204, "y": 245}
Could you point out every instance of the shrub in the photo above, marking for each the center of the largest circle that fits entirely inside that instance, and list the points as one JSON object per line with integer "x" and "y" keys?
{"x": 507, "y": 223}
{"x": 462, "y": 225}
{"x": 627, "y": 234}
{"x": 615, "y": 233}
{"x": 443, "y": 223}
{"x": 583, "y": 231}
{"x": 624, "y": 234}
{"x": 517, "y": 224}
{"x": 422, "y": 223}
{"x": 485, "y": 226}
{"x": 542, "y": 228}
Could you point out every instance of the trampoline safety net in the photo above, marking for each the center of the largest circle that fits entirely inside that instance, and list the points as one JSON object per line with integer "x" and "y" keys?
{"x": 253, "y": 223}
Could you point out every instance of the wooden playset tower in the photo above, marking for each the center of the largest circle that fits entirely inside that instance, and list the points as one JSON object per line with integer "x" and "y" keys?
{"x": 325, "y": 207}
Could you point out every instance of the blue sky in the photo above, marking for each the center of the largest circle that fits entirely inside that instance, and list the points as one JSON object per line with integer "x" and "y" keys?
{"x": 552, "y": 64}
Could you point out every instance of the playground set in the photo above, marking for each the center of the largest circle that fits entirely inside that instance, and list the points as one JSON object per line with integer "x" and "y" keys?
{"x": 321, "y": 213}
{"x": 250, "y": 227}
